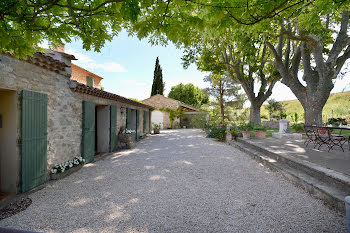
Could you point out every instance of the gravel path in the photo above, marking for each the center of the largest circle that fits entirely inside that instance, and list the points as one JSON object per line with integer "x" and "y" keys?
{"x": 178, "y": 181}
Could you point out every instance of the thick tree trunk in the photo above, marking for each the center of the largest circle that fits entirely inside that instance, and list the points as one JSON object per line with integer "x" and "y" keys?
{"x": 313, "y": 115}
{"x": 255, "y": 118}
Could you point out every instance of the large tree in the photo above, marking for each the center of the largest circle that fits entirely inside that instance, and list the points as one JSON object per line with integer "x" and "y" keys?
{"x": 244, "y": 58}
{"x": 189, "y": 94}
{"x": 158, "y": 84}
{"x": 317, "y": 51}
{"x": 305, "y": 37}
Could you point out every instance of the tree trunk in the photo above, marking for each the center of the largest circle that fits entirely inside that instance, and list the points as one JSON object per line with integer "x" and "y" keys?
{"x": 222, "y": 111}
{"x": 313, "y": 115}
{"x": 255, "y": 117}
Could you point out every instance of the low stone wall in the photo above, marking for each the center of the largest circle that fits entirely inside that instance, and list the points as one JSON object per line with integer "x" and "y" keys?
{"x": 271, "y": 124}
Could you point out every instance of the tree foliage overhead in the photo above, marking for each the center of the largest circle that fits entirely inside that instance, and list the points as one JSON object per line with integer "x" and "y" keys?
{"x": 189, "y": 94}
{"x": 26, "y": 23}
{"x": 158, "y": 84}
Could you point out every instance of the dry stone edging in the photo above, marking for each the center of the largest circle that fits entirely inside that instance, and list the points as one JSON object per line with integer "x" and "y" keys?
{"x": 322, "y": 183}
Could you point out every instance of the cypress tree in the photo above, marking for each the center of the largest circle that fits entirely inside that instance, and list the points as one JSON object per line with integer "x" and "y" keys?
{"x": 158, "y": 84}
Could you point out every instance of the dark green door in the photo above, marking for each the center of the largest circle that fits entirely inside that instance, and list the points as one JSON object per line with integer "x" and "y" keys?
{"x": 113, "y": 129}
{"x": 137, "y": 123}
{"x": 88, "y": 143}
{"x": 128, "y": 118}
{"x": 144, "y": 121}
{"x": 150, "y": 122}
{"x": 33, "y": 139}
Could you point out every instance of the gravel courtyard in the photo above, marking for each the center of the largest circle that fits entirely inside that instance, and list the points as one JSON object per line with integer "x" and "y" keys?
{"x": 178, "y": 181}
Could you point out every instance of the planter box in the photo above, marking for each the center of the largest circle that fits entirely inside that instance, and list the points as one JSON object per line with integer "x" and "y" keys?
{"x": 246, "y": 134}
{"x": 259, "y": 134}
{"x": 156, "y": 131}
{"x": 58, "y": 176}
{"x": 128, "y": 139}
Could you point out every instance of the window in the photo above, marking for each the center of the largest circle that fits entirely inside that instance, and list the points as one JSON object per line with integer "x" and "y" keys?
{"x": 89, "y": 81}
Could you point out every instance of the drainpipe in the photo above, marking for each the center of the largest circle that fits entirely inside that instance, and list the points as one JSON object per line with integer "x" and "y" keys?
{"x": 347, "y": 207}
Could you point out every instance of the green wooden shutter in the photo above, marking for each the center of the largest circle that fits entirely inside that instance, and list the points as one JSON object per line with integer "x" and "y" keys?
{"x": 113, "y": 129}
{"x": 128, "y": 118}
{"x": 144, "y": 121}
{"x": 33, "y": 139}
{"x": 137, "y": 123}
{"x": 88, "y": 143}
{"x": 150, "y": 121}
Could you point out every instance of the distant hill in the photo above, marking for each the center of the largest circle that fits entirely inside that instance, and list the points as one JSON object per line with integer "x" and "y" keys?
{"x": 338, "y": 105}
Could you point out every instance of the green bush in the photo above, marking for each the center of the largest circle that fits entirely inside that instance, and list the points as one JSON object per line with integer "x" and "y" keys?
{"x": 298, "y": 127}
{"x": 246, "y": 127}
{"x": 217, "y": 131}
{"x": 336, "y": 121}
{"x": 260, "y": 127}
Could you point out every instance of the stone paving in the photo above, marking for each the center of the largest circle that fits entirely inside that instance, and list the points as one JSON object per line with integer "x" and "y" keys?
{"x": 177, "y": 181}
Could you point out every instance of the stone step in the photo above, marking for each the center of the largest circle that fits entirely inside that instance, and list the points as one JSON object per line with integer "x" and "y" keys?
{"x": 330, "y": 187}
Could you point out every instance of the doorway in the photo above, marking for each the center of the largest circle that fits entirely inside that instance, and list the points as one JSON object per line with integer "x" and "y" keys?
{"x": 102, "y": 133}
{"x": 9, "y": 157}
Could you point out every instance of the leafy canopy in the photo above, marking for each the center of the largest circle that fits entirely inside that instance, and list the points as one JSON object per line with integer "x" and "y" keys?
{"x": 25, "y": 24}
{"x": 189, "y": 94}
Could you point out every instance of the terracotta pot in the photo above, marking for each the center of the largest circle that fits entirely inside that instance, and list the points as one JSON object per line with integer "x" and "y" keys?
{"x": 156, "y": 131}
{"x": 246, "y": 134}
{"x": 259, "y": 134}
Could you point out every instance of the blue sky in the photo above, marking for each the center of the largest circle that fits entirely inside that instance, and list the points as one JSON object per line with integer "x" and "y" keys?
{"x": 127, "y": 65}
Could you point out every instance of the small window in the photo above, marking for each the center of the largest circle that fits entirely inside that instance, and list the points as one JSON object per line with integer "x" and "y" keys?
{"x": 89, "y": 81}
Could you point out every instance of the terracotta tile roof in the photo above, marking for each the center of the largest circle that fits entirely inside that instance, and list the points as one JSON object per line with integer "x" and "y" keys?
{"x": 182, "y": 104}
{"x": 81, "y": 88}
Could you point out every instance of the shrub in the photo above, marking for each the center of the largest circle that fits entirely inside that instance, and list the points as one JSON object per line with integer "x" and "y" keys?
{"x": 260, "y": 127}
{"x": 217, "y": 131}
{"x": 246, "y": 127}
{"x": 298, "y": 127}
{"x": 336, "y": 121}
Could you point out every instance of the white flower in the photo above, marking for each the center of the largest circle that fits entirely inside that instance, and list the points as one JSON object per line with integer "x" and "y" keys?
{"x": 53, "y": 171}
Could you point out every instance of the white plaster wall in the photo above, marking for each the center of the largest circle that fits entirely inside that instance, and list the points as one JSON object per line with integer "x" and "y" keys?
{"x": 157, "y": 118}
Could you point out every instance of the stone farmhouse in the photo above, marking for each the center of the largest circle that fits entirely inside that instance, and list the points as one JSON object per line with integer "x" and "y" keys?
{"x": 159, "y": 116}
{"x": 52, "y": 111}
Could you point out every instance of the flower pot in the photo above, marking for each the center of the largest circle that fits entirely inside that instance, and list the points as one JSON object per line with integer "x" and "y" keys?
{"x": 260, "y": 134}
{"x": 57, "y": 176}
{"x": 246, "y": 134}
{"x": 156, "y": 131}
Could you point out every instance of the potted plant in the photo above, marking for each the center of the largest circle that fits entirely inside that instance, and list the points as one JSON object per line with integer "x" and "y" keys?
{"x": 128, "y": 136}
{"x": 260, "y": 131}
{"x": 156, "y": 128}
{"x": 336, "y": 121}
{"x": 246, "y": 129}
{"x": 298, "y": 128}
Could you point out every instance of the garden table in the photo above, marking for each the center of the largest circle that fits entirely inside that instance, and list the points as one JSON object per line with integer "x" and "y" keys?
{"x": 322, "y": 135}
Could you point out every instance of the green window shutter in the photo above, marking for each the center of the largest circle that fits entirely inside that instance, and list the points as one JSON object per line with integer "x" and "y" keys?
{"x": 150, "y": 121}
{"x": 144, "y": 121}
{"x": 88, "y": 140}
{"x": 128, "y": 118}
{"x": 89, "y": 81}
{"x": 137, "y": 123}
{"x": 33, "y": 139}
{"x": 113, "y": 129}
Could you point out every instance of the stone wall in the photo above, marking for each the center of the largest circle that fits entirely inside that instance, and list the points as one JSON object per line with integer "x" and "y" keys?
{"x": 64, "y": 110}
